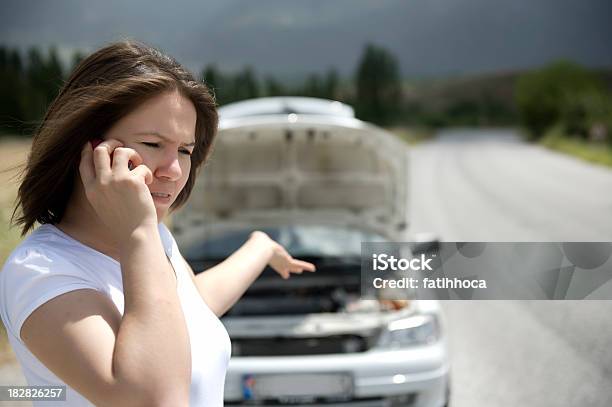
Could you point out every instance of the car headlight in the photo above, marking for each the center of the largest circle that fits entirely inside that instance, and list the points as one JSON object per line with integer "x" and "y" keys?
{"x": 411, "y": 331}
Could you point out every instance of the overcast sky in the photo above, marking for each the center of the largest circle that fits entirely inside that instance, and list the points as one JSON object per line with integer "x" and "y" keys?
{"x": 293, "y": 37}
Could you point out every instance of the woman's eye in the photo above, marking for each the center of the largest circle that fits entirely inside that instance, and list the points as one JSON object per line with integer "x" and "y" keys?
{"x": 156, "y": 145}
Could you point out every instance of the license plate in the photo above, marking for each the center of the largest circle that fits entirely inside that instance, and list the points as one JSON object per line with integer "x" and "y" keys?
{"x": 298, "y": 386}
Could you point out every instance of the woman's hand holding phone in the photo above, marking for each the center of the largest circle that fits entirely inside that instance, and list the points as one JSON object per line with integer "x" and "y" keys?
{"x": 119, "y": 195}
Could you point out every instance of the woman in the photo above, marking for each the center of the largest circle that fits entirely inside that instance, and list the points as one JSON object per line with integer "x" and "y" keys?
{"x": 98, "y": 297}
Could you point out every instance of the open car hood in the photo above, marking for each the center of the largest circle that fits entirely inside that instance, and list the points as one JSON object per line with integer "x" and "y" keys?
{"x": 284, "y": 168}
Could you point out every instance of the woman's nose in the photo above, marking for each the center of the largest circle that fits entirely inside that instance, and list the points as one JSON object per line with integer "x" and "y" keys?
{"x": 169, "y": 168}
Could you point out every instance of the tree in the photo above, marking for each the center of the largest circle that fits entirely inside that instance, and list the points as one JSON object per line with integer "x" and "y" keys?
{"x": 12, "y": 112}
{"x": 313, "y": 86}
{"x": 229, "y": 88}
{"x": 44, "y": 77}
{"x": 54, "y": 75}
{"x": 331, "y": 84}
{"x": 245, "y": 85}
{"x": 558, "y": 93}
{"x": 378, "y": 86}
{"x": 321, "y": 86}
{"x": 77, "y": 57}
{"x": 213, "y": 78}
{"x": 274, "y": 87}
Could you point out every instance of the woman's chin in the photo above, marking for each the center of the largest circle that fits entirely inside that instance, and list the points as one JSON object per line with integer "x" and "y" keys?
{"x": 162, "y": 207}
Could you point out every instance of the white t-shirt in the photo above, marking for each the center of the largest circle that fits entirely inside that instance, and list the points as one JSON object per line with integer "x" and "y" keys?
{"x": 49, "y": 263}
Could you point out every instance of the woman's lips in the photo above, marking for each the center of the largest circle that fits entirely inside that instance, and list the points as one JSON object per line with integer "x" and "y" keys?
{"x": 161, "y": 197}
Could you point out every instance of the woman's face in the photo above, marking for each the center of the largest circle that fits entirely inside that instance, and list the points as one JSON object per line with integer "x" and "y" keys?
{"x": 162, "y": 131}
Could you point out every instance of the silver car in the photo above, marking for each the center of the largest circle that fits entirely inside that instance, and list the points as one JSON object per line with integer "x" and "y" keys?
{"x": 320, "y": 182}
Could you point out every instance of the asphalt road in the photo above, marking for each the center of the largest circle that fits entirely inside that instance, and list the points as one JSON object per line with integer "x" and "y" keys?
{"x": 490, "y": 186}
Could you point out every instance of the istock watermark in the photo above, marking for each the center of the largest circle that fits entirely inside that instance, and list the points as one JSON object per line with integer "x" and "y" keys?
{"x": 485, "y": 270}
{"x": 382, "y": 262}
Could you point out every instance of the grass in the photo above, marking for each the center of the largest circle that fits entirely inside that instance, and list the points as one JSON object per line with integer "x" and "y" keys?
{"x": 411, "y": 135}
{"x": 13, "y": 151}
{"x": 6, "y": 353}
{"x": 598, "y": 153}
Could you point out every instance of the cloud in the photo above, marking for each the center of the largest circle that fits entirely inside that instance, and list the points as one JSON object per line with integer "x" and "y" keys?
{"x": 433, "y": 37}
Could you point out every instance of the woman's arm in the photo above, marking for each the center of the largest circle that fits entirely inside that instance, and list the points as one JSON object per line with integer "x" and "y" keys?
{"x": 143, "y": 358}
{"x": 152, "y": 347}
{"x": 222, "y": 285}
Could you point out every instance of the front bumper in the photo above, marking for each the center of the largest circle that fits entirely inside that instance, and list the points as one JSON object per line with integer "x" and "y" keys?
{"x": 416, "y": 376}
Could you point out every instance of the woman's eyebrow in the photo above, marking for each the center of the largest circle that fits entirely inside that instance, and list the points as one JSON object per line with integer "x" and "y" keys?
{"x": 161, "y": 136}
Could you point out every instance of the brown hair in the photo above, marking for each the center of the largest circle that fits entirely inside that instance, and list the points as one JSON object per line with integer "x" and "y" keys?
{"x": 101, "y": 90}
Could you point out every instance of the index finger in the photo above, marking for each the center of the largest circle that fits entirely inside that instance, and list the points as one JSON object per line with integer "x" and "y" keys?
{"x": 102, "y": 155}
{"x": 304, "y": 264}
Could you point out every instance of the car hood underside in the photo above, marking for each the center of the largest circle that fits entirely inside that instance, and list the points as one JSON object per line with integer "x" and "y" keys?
{"x": 267, "y": 170}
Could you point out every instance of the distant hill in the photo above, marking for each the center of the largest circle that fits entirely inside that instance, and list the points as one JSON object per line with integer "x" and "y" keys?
{"x": 471, "y": 100}
{"x": 440, "y": 93}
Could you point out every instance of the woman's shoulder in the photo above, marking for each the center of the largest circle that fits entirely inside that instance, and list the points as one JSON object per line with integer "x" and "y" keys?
{"x": 45, "y": 253}
{"x": 44, "y": 245}
{"x": 41, "y": 267}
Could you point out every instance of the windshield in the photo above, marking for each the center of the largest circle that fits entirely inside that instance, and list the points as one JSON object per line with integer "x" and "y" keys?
{"x": 299, "y": 240}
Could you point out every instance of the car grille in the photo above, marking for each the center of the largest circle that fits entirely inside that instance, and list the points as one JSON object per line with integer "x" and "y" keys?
{"x": 300, "y": 346}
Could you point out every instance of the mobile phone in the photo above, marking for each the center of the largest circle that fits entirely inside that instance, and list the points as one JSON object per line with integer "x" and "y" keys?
{"x": 95, "y": 142}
